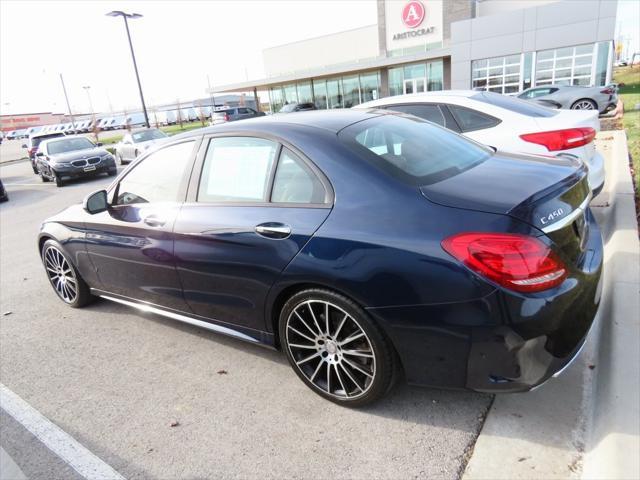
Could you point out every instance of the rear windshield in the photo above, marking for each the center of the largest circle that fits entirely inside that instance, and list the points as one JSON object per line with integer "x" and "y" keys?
{"x": 514, "y": 104}
{"x": 412, "y": 149}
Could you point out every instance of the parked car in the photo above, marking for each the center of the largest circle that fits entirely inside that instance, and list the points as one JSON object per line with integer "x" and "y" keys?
{"x": 172, "y": 117}
{"x": 159, "y": 118}
{"x": 463, "y": 268}
{"x": 62, "y": 159}
{"x": 32, "y": 146}
{"x": 508, "y": 124}
{"x": 574, "y": 97}
{"x": 11, "y": 134}
{"x": 231, "y": 114}
{"x": 4, "y": 196}
{"x": 297, "y": 107}
{"x": 133, "y": 144}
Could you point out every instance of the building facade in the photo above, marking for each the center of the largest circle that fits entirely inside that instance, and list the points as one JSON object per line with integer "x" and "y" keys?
{"x": 426, "y": 45}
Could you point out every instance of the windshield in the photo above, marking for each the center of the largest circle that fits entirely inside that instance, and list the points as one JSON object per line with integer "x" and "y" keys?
{"x": 514, "y": 104}
{"x": 146, "y": 135}
{"x": 414, "y": 150}
{"x": 68, "y": 145}
{"x": 35, "y": 141}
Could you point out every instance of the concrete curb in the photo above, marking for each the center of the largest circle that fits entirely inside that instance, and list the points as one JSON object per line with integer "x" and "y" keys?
{"x": 545, "y": 433}
{"x": 613, "y": 439}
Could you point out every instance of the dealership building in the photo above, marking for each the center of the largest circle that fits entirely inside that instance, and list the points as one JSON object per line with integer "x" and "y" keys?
{"x": 425, "y": 45}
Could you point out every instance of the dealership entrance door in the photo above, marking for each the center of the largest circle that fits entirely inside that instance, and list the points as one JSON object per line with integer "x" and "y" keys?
{"x": 415, "y": 85}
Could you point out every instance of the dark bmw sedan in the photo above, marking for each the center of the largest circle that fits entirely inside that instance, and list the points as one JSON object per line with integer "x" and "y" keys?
{"x": 365, "y": 245}
{"x": 66, "y": 158}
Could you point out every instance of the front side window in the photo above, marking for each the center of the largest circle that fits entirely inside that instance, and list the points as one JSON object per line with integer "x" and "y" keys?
{"x": 237, "y": 170}
{"x": 412, "y": 149}
{"x": 157, "y": 178}
{"x": 295, "y": 182}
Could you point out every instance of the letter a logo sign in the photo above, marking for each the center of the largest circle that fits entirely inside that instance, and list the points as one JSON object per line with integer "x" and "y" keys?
{"x": 413, "y": 14}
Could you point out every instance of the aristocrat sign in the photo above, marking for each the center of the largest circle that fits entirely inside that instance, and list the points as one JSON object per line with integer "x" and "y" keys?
{"x": 412, "y": 23}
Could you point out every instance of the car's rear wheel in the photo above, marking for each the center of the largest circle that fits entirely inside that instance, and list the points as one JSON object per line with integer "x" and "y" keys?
{"x": 584, "y": 104}
{"x": 335, "y": 348}
{"x": 43, "y": 177}
{"x": 58, "y": 180}
{"x": 63, "y": 276}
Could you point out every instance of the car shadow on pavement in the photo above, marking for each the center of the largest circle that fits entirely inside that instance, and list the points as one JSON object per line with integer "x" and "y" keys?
{"x": 416, "y": 405}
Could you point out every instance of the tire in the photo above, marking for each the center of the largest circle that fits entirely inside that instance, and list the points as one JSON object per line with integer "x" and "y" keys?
{"x": 59, "y": 182}
{"x": 112, "y": 173}
{"x": 121, "y": 160}
{"x": 57, "y": 265}
{"x": 43, "y": 177}
{"x": 584, "y": 104}
{"x": 348, "y": 372}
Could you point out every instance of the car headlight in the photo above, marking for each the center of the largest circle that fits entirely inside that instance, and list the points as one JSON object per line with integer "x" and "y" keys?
{"x": 61, "y": 164}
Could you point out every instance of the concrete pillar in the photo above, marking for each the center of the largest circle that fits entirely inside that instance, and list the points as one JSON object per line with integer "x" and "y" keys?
{"x": 382, "y": 29}
{"x": 257, "y": 100}
{"x": 446, "y": 73}
{"x": 384, "y": 82}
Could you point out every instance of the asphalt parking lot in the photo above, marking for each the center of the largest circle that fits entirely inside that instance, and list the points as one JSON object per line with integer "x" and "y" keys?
{"x": 116, "y": 380}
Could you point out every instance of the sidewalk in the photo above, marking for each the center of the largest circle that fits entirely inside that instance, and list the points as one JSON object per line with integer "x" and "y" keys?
{"x": 8, "y": 468}
{"x": 586, "y": 423}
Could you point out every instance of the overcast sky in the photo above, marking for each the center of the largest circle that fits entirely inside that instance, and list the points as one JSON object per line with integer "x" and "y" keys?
{"x": 177, "y": 43}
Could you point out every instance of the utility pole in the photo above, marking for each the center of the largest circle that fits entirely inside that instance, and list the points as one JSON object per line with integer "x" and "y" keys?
{"x": 213, "y": 100}
{"x": 64, "y": 89}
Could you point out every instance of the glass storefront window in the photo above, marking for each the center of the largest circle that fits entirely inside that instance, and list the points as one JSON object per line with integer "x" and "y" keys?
{"x": 351, "y": 91}
{"x": 275, "y": 99}
{"x": 304, "y": 92}
{"x": 320, "y": 93}
{"x": 500, "y": 74}
{"x": 415, "y": 71}
{"x": 370, "y": 86}
{"x": 289, "y": 93}
{"x": 435, "y": 75}
{"x": 396, "y": 79}
{"x": 565, "y": 66}
{"x": 334, "y": 93}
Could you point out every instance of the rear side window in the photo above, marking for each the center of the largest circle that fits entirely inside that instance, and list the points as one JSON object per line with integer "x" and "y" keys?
{"x": 237, "y": 170}
{"x": 157, "y": 178}
{"x": 514, "y": 105}
{"x": 295, "y": 182}
{"x": 470, "y": 119}
{"x": 412, "y": 149}
{"x": 431, "y": 113}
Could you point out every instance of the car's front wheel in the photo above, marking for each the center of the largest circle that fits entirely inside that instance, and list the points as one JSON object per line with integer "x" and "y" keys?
{"x": 335, "y": 348}
{"x": 63, "y": 276}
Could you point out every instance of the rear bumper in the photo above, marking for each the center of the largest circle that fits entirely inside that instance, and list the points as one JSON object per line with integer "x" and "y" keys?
{"x": 504, "y": 342}
{"x": 596, "y": 173}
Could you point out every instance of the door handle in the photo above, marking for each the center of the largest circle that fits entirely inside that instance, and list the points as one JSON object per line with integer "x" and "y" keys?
{"x": 273, "y": 230}
{"x": 154, "y": 221}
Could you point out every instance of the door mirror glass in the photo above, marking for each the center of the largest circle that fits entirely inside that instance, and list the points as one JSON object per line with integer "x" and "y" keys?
{"x": 39, "y": 154}
{"x": 24, "y": 145}
{"x": 96, "y": 202}
{"x": 99, "y": 144}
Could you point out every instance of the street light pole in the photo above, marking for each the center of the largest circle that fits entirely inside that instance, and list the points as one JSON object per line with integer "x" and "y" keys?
{"x": 64, "y": 89}
{"x": 125, "y": 16}
{"x": 86, "y": 89}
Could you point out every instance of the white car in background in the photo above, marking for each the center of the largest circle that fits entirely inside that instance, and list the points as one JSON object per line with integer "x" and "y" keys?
{"x": 508, "y": 124}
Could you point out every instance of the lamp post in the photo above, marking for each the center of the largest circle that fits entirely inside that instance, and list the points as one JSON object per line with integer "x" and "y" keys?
{"x": 86, "y": 89}
{"x": 125, "y": 16}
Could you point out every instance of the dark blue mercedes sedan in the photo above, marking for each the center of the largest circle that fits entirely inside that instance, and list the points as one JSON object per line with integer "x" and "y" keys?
{"x": 367, "y": 245}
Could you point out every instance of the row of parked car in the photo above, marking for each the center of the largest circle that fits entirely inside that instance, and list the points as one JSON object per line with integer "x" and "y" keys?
{"x": 169, "y": 117}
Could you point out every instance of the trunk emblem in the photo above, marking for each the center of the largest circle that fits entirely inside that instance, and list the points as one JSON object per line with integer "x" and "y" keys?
{"x": 552, "y": 216}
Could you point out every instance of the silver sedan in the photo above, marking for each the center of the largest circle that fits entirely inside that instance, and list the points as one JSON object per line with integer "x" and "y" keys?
{"x": 133, "y": 144}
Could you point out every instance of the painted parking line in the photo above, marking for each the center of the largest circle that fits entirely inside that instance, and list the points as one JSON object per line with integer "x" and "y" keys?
{"x": 55, "y": 439}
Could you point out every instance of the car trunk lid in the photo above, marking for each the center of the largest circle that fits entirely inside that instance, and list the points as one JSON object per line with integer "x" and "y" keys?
{"x": 551, "y": 195}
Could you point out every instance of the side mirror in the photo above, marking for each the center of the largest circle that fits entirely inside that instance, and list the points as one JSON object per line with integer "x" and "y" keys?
{"x": 99, "y": 144}
{"x": 96, "y": 202}
{"x": 24, "y": 145}
{"x": 39, "y": 154}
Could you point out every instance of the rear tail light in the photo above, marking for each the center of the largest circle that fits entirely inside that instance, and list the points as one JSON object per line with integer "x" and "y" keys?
{"x": 226, "y": 117}
{"x": 608, "y": 91}
{"x": 516, "y": 262}
{"x": 561, "y": 139}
